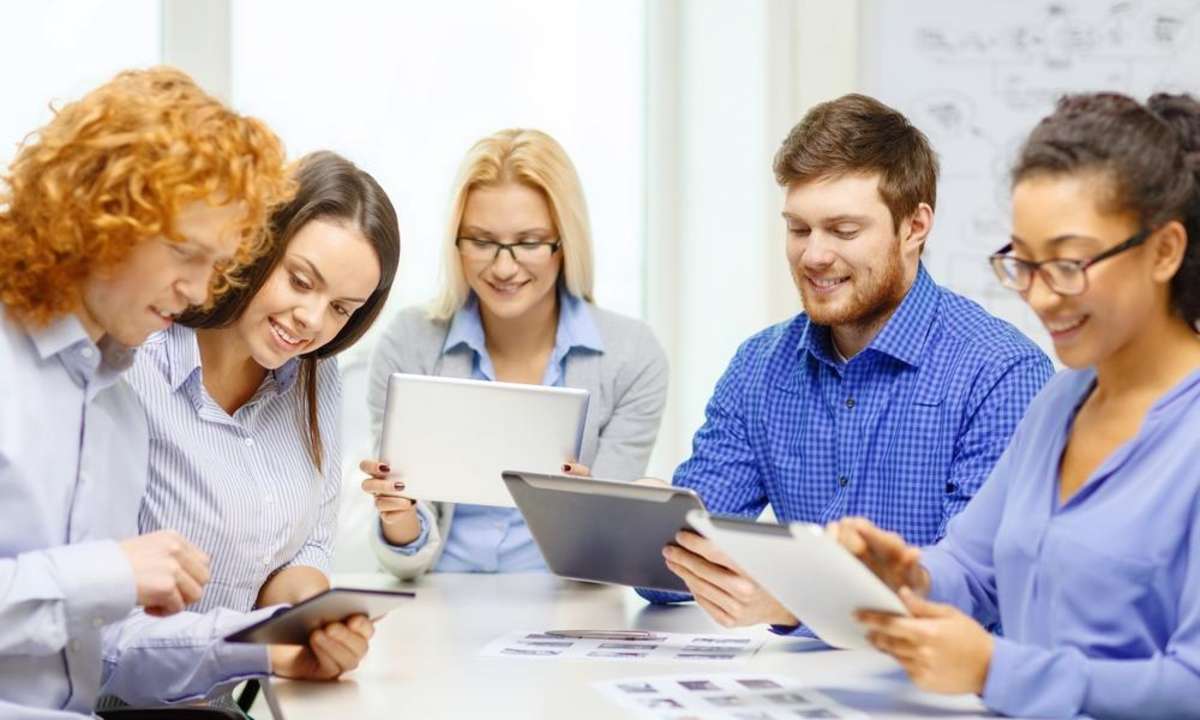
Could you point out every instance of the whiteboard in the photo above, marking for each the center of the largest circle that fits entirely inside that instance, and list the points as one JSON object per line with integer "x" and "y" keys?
{"x": 977, "y": 76}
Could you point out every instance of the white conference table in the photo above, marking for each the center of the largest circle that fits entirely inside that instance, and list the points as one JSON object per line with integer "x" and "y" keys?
{"x": 425, "y": 658}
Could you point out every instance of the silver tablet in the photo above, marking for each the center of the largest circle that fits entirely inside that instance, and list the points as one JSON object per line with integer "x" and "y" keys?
{"x": 449, "y": 439}
{"x": 811, "y": 574}
{"x": 603, "y": 530}
{"x": 293, "y": 625}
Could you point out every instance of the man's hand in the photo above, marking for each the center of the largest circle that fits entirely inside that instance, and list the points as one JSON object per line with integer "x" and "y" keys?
{"x": 723, "y": 589}
{"x": 332, "y": 650}
{"x": 169, "y": 571}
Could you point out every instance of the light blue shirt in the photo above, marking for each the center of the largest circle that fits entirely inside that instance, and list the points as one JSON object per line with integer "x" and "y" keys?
{"x": 1099, "y": 597}
{"x": 73, "y": 448}
{"x": 242, "y": 487}
{"x": 491, "y": 539}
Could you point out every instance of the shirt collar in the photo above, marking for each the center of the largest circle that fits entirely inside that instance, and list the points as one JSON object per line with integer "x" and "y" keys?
{"x": 183, "y": 360}
{"x": 904, "y": 335}
{"x": 183, "y": 354}
{"x": 576, "y": 327}
{"x": 101, "y": 362}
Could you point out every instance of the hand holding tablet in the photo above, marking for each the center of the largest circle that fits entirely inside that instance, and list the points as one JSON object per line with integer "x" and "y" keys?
{"x": 808, "y": 571}
{"x": 294, "y": 625}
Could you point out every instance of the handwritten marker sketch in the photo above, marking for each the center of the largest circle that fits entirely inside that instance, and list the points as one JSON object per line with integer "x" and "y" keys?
{"x": 976, "y": 77}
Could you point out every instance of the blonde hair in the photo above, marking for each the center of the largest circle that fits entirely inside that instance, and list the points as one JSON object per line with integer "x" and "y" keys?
{"x": 536, "y": 160}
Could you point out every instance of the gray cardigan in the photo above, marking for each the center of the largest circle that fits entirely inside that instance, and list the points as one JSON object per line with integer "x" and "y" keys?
{"x": 627, "y": 382}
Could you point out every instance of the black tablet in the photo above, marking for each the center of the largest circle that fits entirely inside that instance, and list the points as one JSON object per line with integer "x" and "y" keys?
{"x": 293, "y": 625}
{"x": 604, "y": 530}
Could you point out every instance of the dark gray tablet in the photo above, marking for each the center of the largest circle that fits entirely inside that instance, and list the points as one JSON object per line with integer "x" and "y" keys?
{"x": 292, "y": 626}
{"x": 603, "y": 530}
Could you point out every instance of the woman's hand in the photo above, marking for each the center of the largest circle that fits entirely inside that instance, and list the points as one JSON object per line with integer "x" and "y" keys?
{"x": 397, "y": 514}
{"x": 576, "y": 469}
{"x": 332, "y": 650}
{"x": 894, "y": 561}
{"x": 941, "y": 648}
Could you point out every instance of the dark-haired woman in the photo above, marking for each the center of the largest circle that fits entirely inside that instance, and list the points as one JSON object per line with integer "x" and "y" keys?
{"x": 243, "y": 399}
{"x": 1085, "y": 541}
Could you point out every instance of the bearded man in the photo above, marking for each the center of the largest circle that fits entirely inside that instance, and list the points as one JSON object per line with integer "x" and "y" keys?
{"x": 889, "y": 397}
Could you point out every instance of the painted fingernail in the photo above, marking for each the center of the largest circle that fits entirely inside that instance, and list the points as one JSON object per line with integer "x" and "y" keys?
{"x": 398, "y": 485}
{"x": 566, "y": 468}
{"x": 385, "y": 468}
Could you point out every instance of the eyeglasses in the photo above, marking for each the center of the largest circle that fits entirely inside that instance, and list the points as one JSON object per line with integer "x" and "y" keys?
{"x": 525, "y": 253}
{"x": 1062, "y": 275}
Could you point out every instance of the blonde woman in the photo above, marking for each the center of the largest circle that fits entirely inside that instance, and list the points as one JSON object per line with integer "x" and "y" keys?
{"x": 515, "y": 306}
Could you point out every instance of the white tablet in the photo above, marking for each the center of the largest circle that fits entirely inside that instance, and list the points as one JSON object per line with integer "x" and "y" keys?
{"x": 811, "y": 574}
{"x": 450, "y": 439}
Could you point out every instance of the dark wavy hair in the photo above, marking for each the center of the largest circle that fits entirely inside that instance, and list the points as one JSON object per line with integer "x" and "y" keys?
{"x": 1149, "y": 154}
{"x": 330, "y": 187}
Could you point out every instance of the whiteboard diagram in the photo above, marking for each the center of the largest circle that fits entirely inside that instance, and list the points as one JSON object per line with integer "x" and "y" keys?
{"x": 977, "y": 76}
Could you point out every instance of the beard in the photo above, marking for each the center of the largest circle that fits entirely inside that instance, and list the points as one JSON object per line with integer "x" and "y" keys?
{"x": 872, "y": 298}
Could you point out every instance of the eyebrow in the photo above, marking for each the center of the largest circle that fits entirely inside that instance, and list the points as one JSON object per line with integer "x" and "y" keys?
{"x": 472, "y": 229}
{"x": 321, "y": 278}
{"x": 1055, "y": 241}
{"x": 836, "y": 219}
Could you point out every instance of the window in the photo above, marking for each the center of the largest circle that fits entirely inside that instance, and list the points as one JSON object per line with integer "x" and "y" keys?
{"x": 403, "y": 89}
{"x": 57, "y": 51}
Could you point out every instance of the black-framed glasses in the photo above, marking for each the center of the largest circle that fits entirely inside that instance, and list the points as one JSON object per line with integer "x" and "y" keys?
{"x": 477, "y": 250}
{"x": 1062, "y": 275}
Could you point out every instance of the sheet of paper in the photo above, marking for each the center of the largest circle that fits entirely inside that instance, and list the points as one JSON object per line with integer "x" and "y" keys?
{"x": 659, "y": 647}
{"x": 744, "y": 696}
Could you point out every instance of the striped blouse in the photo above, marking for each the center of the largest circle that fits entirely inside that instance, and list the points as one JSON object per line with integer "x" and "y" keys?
{"x": 242, "y": 488}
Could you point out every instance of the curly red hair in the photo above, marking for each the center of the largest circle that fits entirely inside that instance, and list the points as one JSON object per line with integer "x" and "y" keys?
{"x": 115, "y": 168}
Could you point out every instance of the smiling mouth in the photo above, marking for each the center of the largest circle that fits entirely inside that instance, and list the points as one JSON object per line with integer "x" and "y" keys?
{"x": 284, "y": 337}
{"x": 826, "y": 285}
{"x": 165, "y": 315}
{"x": 1064, "y": 327}
{"x": 506, "y": 288}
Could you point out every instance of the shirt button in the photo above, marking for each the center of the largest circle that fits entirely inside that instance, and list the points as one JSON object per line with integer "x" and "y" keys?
{"x": 266, "y": 561}
{"x": 843, "y": 481}
{"x": 87, "y": 352}
{"x": 850, "y": 403}
{"x": 249, "y": 442}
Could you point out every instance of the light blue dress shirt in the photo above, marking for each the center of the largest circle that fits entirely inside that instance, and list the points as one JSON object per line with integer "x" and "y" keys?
{"x": 73, "y": 448}
{"x": 242, "y": 487}
{"x": 491, "y": 539}
{"x": 1099, "y": 597}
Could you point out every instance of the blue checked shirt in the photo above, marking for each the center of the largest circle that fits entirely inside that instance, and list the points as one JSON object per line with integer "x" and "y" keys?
{"x": 904, "y": 433}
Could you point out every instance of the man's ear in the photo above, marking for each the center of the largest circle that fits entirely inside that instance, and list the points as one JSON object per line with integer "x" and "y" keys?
{"x": 915, "y": 230}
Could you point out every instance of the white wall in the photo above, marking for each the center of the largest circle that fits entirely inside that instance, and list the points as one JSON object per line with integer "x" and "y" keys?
{"x": 732, "y": 78}
{"x": 55, "y": 51}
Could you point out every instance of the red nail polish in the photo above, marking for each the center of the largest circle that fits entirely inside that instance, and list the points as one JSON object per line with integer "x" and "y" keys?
{"x": 566, "y": 468}
{"x": 385, "y": 468}
{"x": 398, "y": 485}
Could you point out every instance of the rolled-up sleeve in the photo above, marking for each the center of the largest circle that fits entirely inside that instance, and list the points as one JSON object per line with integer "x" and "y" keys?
{"x": 151, "y": 660}
{"x": 49, "y": 596}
